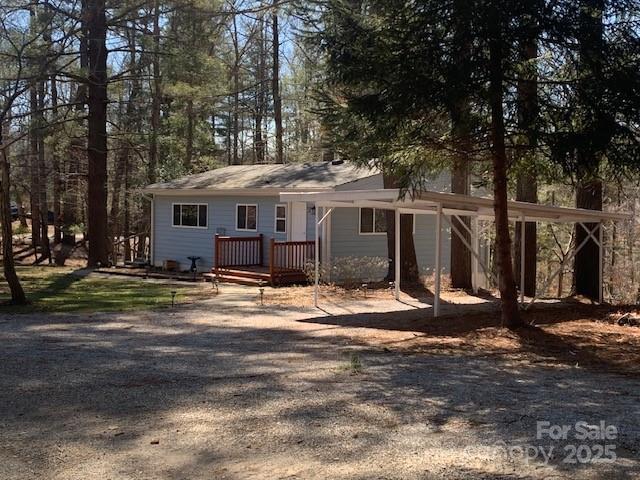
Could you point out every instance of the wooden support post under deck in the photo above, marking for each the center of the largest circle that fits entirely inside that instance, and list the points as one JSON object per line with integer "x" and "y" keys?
{"x": 272, "y": 260}
{"x": 317, "y": 259}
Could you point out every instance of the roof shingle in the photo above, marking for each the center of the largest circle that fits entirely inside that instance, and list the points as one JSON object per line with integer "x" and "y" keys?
{"x": 318, "y": 175}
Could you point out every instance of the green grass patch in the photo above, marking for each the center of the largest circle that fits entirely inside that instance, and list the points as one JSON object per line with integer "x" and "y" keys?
{"x": 65, "y": 290}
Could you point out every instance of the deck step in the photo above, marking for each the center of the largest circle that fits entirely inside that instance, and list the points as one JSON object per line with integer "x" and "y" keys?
{"x": 264, "y": 276}
{"x": 238, "y": 280}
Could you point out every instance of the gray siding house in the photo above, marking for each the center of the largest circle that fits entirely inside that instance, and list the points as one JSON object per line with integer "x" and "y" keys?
{"x": 243, "y": 201}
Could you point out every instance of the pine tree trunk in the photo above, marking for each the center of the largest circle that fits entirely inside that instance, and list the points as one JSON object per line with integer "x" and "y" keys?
{"x": 560, "y": 282}
{"x": 586, "y": 271}
{"x": 42, "y": 175}
{"x": 188, "y": 158}
{"x": 17, "y": 293}
{"x": 589, "y": 189}
{"x": 260, "y": 95}
{"x": 157, "y": 96}
{"x": 126, "y": 220}
{"x": 326, "y": 143}
{"x": 409, "y": 271}
{"x": 460, "y": 113}
{"x": 97, "y": 135}
{"x": 36, "y": 228}
{"x": 55, "y": 162}
{"x": 236, "y": 91}
{"x": 460, "y": 254}
{"x": 508, "y": 295}
{"x": 71, "y": 204}
{"x": 277, "y": 99}
{"x": 527, "y": 182}
{"x": 22, "y": 217}
{"x": 527, "y": 191}
{"x": 116, "y": 190}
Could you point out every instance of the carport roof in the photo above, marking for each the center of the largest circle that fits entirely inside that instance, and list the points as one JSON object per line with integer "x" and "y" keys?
{"x": 427, "y": 202}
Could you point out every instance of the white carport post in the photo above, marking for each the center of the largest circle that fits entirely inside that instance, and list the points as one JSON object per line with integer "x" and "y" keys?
{"x": 475, "y": 242}
{"x": 325, "y": 214}
{"x": 436, "y": 293}
{"x": 522, "y": 257}
{"x": 600, "y": 264}
{"x": 396, "y": 262}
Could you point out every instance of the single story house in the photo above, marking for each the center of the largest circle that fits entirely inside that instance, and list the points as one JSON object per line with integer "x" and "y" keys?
{"x": 233, "y": 216}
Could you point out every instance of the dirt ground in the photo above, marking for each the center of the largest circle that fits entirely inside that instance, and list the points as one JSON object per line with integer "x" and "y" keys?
{"x": 229, "y": 388}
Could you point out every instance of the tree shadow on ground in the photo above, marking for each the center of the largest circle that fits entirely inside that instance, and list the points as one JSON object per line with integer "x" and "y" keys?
{"x": 229, "y": 399}
{"x": 448, "y": 324}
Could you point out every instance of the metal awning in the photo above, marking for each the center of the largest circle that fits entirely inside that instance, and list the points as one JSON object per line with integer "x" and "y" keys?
{"x": 452, "y": 204}
{"x": 455, "y": 205}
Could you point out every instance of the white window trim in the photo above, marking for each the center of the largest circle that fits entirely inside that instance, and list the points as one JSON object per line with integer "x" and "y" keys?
{"x": 360, "y": 232}
{"x": 246, "y": 229}
{"x": 276, "y": 218}
{"x": 189, "y": 226}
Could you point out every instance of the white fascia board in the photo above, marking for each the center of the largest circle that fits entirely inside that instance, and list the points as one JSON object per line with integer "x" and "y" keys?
{"x": 457, "y": 204}
{"x": 344, "y": 195}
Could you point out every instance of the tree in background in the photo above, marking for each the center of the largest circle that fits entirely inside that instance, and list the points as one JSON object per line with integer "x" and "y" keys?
{"x": 460, "y": 112}
{"x": 18, "y": 296}
{"x": 526, "y": 153}
{"x": 405, "y": 84}
{"x": 96, "y": 25}
{"x": 396, "y": 107}
{"x": 87, "y": 71}
{"x": 523, "y": 89}
{"x": 592, "y": 110}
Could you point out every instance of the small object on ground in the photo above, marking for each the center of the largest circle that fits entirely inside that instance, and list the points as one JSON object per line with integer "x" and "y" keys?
{"x": 139, "y": 262}
{"x": 624, "y": 319}
{"x": 170, "y": 265}
{"x": 154, "y": 442}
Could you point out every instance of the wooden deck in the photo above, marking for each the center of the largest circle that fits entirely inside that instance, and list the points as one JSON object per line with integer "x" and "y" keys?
{"x": 240, "y": 260}
{"x": 257, "y": 275}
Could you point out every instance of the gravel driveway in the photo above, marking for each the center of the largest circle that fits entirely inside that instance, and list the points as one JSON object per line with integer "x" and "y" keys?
{"x": 230, "y": 389}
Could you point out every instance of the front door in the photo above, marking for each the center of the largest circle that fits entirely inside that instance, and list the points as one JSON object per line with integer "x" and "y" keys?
{"x": 298, "y": 230}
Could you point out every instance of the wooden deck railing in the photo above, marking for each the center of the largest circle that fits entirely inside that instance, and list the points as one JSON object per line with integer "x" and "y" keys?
{"x": 237, "y": 251}
{"x": 290, "y": 257}
{"x": 287, "y": 260}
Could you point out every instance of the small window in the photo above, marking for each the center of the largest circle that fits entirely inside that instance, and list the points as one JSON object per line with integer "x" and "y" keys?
{"x": 189, "y": 215}
{"x": 281, "y": 219}
{"x": 372, "y": 221}
{"x": 247, "y": 217}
